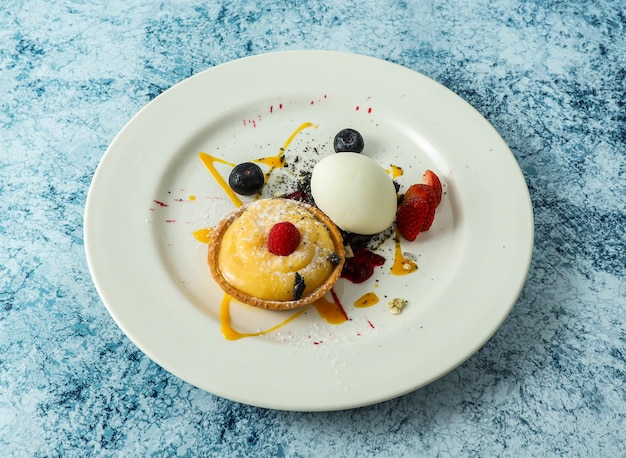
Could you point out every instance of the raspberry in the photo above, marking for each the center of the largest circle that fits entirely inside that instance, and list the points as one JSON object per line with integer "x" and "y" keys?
{"x": 283, "y": 239}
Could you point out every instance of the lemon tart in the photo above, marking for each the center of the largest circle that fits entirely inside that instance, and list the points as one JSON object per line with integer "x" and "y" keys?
{"x": 278, "y": 254}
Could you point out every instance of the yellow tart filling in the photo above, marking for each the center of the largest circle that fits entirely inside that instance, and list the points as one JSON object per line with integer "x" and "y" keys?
{"x": 246, "y": 263}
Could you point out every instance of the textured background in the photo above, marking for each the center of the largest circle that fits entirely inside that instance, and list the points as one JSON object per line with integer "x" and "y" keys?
{"x": 551, "y": 78}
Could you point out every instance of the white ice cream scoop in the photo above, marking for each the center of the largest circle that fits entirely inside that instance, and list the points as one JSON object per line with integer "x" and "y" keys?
{"x": 355, "y": 192}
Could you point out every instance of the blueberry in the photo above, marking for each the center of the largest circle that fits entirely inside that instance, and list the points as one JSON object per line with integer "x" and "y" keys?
{"x": 348, "y": 140}
{"x": 246, "y": 179}
{"x": 298, "y": 287}
{"x": 334, "y": 259}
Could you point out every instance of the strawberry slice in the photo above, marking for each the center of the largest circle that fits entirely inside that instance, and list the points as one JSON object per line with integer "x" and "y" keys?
{"x": 417, "y": 211}
{"x": 429, "y": 178}
{"x": 410, "y": 218}
{"x": 283, "y": 239}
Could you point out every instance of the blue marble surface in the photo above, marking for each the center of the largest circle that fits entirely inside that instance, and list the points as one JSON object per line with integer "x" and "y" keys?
{"x": 551, "y": 78}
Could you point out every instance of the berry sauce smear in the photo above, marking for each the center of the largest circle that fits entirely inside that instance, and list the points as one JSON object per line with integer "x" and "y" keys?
{"x": 360, "y": 267}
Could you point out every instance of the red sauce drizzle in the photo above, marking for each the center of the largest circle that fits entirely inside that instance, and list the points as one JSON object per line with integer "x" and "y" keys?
{"x": 338, "y": 302}
{"x": 162, "y": 204}
{"x": 331, "y": 311}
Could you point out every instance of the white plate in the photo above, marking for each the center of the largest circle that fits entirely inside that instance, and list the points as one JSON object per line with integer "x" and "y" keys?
{"x": 152, "y": 275}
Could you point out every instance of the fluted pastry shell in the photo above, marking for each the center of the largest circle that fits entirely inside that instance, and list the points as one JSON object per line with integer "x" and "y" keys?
{"x": 213, "y": 256}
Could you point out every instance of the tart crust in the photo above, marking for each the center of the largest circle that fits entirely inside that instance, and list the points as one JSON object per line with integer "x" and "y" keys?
{"x": 214, "y": 250}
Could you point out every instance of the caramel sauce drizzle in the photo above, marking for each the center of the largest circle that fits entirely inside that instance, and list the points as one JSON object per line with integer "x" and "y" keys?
{"x": 230, "y": 333}
{"x": 277, "y": 161}
{"x": 401, "y": 264}
{"x": 203, "y": 235}
{"x": 395, "y": 171}
{"x": 330, "y": 311}
{"x": 367, "y": 300}
{"x": 208, "y": 162}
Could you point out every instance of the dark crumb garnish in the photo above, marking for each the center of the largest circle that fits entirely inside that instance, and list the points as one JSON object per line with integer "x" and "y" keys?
{"x": 400, "y": 199}
{"x": 373, "y": 242}
{"x": 356, "y": 241}
{"x": 303, "y": 190}
{"x": 334, "y": 259}
{"x": 300, "y": 197}
{"x": 298, "y": 287}
{"x": 304, "y": 182}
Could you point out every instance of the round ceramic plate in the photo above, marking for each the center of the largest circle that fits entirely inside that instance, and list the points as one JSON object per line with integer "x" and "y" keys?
{"x": 152, "y": 198}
